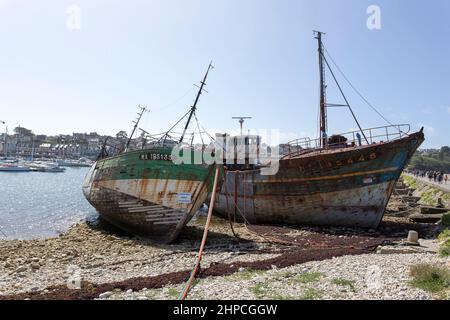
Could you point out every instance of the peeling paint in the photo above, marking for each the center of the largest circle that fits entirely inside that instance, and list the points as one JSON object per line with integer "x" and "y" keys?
{"x": 346, "y": 187}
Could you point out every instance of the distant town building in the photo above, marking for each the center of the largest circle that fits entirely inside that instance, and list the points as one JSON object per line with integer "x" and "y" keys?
{"x": 24, "y": 143}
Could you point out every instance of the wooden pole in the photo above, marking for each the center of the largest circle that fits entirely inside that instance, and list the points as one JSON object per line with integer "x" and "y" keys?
{"x": 205, "y": 235}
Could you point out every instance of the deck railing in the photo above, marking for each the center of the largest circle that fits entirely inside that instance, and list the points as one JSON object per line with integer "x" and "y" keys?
{"x": 352, "y": 138}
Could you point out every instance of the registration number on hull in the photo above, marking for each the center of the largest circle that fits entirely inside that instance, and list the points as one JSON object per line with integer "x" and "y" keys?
{"x": 155, "y": 156}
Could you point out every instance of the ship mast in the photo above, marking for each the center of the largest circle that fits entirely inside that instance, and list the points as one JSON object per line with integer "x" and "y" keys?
{"x": 5, "y": 152}
{"x": 136, "y": 123}
{"x": 323, "y": 109}
{"x": 194, "y": 106}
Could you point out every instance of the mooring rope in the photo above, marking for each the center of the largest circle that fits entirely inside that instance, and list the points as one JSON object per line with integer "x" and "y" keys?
{"x": 225, "y": 181}
{"x": 267, "y": 238}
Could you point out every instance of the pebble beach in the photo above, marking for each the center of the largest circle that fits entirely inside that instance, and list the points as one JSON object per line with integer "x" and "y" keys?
{"x": 90, "y": 261}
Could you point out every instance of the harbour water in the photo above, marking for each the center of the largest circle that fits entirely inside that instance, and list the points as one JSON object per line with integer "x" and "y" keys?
{"x": 41, "y": 204}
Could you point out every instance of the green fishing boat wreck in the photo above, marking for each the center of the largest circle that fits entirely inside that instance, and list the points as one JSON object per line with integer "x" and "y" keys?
{"x": 152, "y": 192}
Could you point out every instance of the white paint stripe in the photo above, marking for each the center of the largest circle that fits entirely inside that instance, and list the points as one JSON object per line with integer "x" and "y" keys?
{"x": 168, "y": 222}
{"x": 164, "y": 219}
{"x": 149, "y": 209}
{"x": 157, "y": 216}
{"x": 130, "y": 205}
{"x": 128, "y": 202}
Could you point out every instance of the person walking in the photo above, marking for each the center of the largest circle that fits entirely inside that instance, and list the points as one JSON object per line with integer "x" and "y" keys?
{"x": 440, "y": 177}
{"x": 446, "y": 178}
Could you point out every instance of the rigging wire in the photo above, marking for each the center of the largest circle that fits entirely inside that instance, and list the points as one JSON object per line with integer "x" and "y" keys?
{"x": 205, "y": 131}
{"x": 177, "y": 100}
{"x": 345, "y": 98}
{"x": 198, "y": 128}
{"x": 168, "y": 131}
{"x": 356, "y": 90}
{"x": 146, "y": 119}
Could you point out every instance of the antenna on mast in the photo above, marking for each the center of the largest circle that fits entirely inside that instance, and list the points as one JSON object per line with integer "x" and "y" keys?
{"x": 136, "y": 123}
{"x": 194, "y": 106}
{"x": 241, "y": 121}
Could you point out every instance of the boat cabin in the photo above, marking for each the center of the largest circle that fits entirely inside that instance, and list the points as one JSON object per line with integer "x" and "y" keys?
{"x": 240, "y": 152}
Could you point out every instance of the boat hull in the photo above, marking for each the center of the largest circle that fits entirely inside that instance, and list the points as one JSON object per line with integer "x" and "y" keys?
{"x": 150, "y": 198}
{"x": 342, "y": 187}
{"x": 14, "y": 169}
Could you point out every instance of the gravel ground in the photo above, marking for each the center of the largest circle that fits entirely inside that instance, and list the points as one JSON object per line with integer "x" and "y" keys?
{"x": 371, "y": 276}
{"x": 98, "y": 256}
{"x": 102, "y": 259}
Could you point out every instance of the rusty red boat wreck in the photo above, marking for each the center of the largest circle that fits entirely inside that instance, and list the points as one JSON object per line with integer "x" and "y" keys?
{"x": 341, "y": 180}
{"x": 346, "y": 186}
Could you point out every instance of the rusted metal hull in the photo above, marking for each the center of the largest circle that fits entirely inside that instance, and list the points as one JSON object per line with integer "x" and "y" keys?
{"x": 342, "y": 187}
{"x": 150, "y": 198}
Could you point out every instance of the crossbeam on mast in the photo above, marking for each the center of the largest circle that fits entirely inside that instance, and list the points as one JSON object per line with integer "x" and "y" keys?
{"x": 136, "y": 123}
{"x": 194, "y": 106}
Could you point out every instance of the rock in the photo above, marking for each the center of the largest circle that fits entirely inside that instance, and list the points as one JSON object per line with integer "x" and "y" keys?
{"x": 425, "y": 218}
{"x": 241, "y": 269}
{"x": 411, "y": 199}
{"x": 399, "y": 185}
{"x": 432, "y": 210}
{"x": 413, "y": 236}
{"x": 105, "y": 295}
{"x": 35, "y": 266}
{"x": 402, "y": 191}
{"x": 21, "y": 269}
{"x": 429, "y": 245}
{"x": 396, "y": 250}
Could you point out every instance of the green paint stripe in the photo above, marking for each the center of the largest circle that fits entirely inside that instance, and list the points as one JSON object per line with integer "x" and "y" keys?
{"x": 131, "y": 166}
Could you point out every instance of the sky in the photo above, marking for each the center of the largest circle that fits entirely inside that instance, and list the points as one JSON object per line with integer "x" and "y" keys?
{"x": 85, "y": 65}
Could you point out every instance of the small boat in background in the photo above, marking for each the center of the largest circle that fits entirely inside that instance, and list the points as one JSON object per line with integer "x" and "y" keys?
{"x": 82, "y": 162}
{"x": 44, "y": 166}
{"x": 13, "y": 167}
